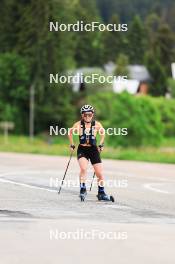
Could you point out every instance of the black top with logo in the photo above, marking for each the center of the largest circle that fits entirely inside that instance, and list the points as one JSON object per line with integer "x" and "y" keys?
{"x": 87, "y": 137}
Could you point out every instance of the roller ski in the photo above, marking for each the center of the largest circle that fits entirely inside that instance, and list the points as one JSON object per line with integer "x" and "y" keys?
{"x": 83, "y": 194}
{"x": 102, "y": 196}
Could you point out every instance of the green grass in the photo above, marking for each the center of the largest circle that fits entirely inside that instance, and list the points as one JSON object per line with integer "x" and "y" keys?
{"x": 60, "y": 146}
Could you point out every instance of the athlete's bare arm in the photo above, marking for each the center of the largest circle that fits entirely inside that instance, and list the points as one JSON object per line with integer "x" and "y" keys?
{"x": 101, "y": 131}
{"x": 74, "y": 129}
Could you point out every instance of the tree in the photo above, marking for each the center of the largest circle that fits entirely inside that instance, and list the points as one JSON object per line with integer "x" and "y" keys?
{"x": 88, "y": 44}
{"x": 113, "y": 41}
{"x": 127, "y": 9}
{"x": 44, "y": 52}
{"x": 152, "y": 24}
{"x": 158, "y": 74}
{"x": 14, "y": 81}
{"x": 137, "y": 41}
{"x": 160, "y": 53}
{"x": 47, "y": 52}
{"x": 122, "y": 65}
{"x": 164, "y": 46}
{"x": 9, "y": 15}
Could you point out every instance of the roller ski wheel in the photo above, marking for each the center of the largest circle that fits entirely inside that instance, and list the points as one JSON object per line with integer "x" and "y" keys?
{"x": 83, "y": 194}
{"x": 105, "y": 197}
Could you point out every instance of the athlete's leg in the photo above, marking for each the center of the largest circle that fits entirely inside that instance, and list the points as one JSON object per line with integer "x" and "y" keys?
{"x": 98, "y": 168}
{"x": 101, "y": 192}
{"x": 83, "y": 163}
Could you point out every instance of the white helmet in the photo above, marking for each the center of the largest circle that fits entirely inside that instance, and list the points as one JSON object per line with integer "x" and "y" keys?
{"x": 86, "y": 108}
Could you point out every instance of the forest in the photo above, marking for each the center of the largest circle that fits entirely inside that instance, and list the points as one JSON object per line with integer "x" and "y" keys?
{"x": 29, "y": 52}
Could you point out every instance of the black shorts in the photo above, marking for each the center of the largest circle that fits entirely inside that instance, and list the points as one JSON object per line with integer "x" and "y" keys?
{"x": 91, "y": 153}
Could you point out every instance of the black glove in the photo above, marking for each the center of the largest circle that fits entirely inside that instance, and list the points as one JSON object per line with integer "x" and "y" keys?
{"x": 72, "y": 147}
{"x": 101, "y": 147}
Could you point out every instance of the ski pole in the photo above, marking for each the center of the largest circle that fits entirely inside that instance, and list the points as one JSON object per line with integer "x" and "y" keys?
{"x": 92, "y": 181}
{"x": 65, "y": 171}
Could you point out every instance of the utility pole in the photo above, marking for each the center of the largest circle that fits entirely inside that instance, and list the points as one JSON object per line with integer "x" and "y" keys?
{"x": 31, "y": 111}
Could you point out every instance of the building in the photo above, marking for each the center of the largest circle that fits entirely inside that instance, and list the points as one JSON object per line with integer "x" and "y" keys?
{"x": 137, "y": 82}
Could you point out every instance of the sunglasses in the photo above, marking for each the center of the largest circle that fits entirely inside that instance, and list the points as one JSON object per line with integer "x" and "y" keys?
{"x": 88, "y": 115}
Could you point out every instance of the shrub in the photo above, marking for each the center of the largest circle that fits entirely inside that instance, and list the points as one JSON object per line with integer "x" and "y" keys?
{"x": 166, "y": 107}
{"x": 138, "y": 114}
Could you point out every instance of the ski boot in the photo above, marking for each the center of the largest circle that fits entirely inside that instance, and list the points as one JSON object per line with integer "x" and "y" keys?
{"x": 83, "y": 194}
{"x": 102, "y": 196}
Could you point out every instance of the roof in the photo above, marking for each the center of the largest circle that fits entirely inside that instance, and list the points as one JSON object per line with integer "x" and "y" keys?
{"x": 139, "y": 73}
{"x": 136, "y": 72}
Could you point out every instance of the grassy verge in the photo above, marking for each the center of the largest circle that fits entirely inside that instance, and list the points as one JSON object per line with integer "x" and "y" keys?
{"x": 60, "y": 146}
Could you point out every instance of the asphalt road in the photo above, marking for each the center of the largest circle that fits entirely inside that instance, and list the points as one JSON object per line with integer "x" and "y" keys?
{"x": 39, "y": 226}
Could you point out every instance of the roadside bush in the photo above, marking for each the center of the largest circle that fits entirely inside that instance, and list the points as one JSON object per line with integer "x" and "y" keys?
{"x": 166, "y": 107}
{"x": 14, "y": 94}
{"x": 138, "y": 114}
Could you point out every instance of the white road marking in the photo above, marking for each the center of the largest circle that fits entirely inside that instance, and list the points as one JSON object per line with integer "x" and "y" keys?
{"x": 56, "y": 173}
{"x": 150, "y": 187}
{"x": 27, "y": 185}
{"x": 31, "y": 172}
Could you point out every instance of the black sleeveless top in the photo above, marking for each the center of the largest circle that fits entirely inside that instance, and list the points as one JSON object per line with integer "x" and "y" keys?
{"x": 87, "y": 137}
